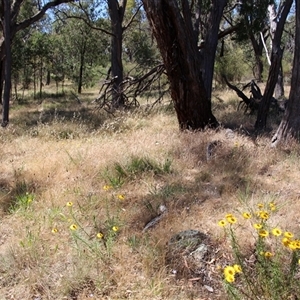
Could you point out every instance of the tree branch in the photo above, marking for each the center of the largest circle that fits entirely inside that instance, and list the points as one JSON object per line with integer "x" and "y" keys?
{"x": 38, "y": 15}
{"x": 132, "y": 18}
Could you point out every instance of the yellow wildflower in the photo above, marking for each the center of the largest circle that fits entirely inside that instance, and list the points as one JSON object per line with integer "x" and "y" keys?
{"x": 100, "y": 235}
{"x": 260, "y": 205}
{"x": 263, "y": 233}
{"x": 246, "y": 215}
{"x": 54, "y": 230}
{"x": 229, "y": 270}
{"x": 297, "y": 244}
{"x": 288, "y": 234}
{"x": 229, "y": 278}
{"x": 257, "y": 226}
{"x": 237, "y": 268}
{"x": 107, "y": 187}
{"x": 121, "y": 197}
{"x": 231, "y": 220}
{"x": 264, "y": 215}
{"x": 222, "y": 223}
{"x": 272, "y": 206}
{"x": 293, "y": 245}
{"x": 286, "y": 241}
{"x": 69, "y": 203}
{"x": 228, "y": 216}
{"x": 73, "y": 227}
{"x": 115, "y": 228}
{"x": 276, "y": 232}
{"x": 268, "y": 254}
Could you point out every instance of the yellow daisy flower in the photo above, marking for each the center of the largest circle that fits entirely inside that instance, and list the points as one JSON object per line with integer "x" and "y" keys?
{"x": 257, "y": 226}
{"x": 237, "y": 268}
{"x": 272, "y": 206}
{"x": 264, "y": 215}
{"x": 276, "y": 232}
{"x": 229, "y": 270}
{"x": 229, "y": 278}
{"x": 222, "y": 223}
{"x": 286, "y": 241}
{"x": 288, "y": 234}
{"x": 228, "y": 216}
{"x": 246, "y": 215}
{"x": 268, "y": 254}
{"x": 73, "y": 227}
{"x": 260, "y": 205}
{"x": 293, "y": 245}
{"x": 100, "y": 235}
{"x": 121, "y": 197}
{"x": 297, "y": 244}
{"x": 263, "y": 233}
{"x": 69, "y": 203}
{"x": 231, "y": 220}
{"x": 54, "y": 230}
{"x": 107, "y": 187}
{"x": 115, "y": 228}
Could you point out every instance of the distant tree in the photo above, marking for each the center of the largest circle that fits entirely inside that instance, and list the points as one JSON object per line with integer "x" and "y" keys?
{"x": 290, "y": 124}
{"x": 11, "y": 24}
{"x": 79, "y": 46}
{"x": 252, "y": 17}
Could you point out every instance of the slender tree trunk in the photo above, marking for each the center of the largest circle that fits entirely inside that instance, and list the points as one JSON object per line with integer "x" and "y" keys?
{"x": 279, "y": 88}
{"x": 80, "y": 80}
{"x": 116, "y": 11}
{"x": 41, "y": 77}
{"x": 276, "y": 57}
{"x": 7, "y": 70}
{"x": 2, "y": 65}
{"x": 210, "y": 44}
{"x": 257, "y": 46}
{"x": 177, "y": 43}
{"x": 48, "y": 80}
{"x": 290, "y": 124}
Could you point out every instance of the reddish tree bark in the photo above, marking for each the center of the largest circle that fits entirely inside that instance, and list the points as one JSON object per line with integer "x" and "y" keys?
{"x": 189, "y": 70}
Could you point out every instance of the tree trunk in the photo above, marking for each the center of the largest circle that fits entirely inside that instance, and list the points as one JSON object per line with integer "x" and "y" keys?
{"x": 257, "y": 46}
{"x": 276, "y": 57}
{"x": 116, "y": 11}
{"x": 177, "y": 43}
{"x": 2, "y": 66}
{"x": 7, "y": 70}
{"x": 208, "y": 52}
{"x": 80, "y": 80}
{"x": 41, "y": 77}
{"x": 290, "y": 124}
{"x": 48, "y": 80}
{"x": 279, "y": 88}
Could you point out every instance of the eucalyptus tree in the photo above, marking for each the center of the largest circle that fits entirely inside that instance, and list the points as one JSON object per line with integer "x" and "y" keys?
{"x": 253, "y": 26}
{"x": 187, "y": 35}
{"x": 82, "y": 47}
{"x": 12, "y": 22}
{"x": 276, "y": 58}
{"x": 290, "y": 124}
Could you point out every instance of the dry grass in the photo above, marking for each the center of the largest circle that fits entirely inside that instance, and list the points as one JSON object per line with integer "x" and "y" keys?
{"x": 69, "y": 153}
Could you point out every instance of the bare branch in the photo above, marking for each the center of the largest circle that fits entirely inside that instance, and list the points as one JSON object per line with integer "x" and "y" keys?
{"x": 87, "y": 22}
{"x": 38, "y": 15}
{"x": 132, "y": 18}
